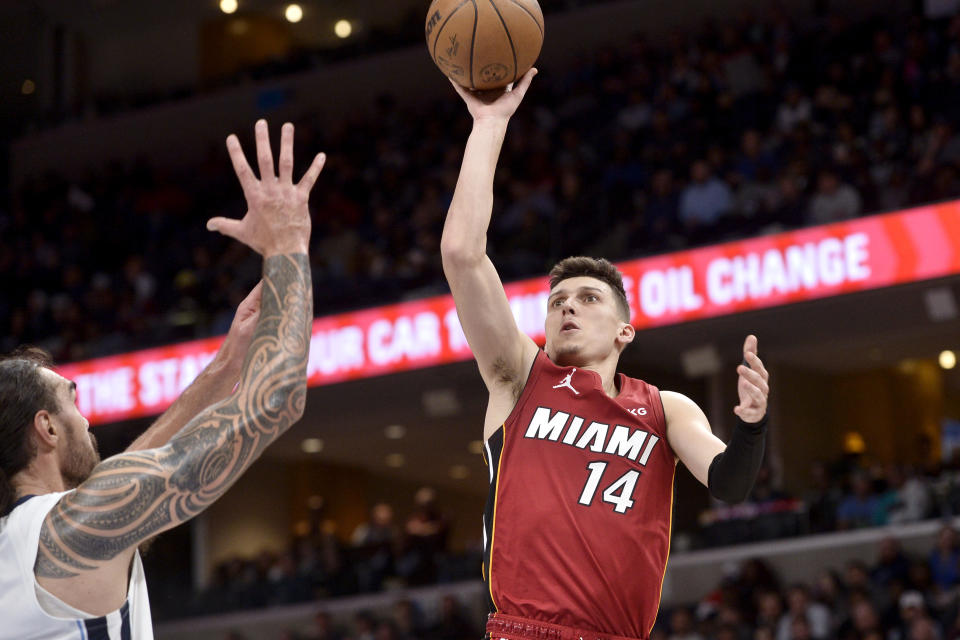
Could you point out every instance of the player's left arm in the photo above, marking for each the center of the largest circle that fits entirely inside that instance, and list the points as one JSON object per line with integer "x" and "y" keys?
{"x": 728, "y": 470}
{"x": 215, "y": 383}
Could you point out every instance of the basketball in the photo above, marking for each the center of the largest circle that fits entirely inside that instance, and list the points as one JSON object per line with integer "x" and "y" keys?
{"x": 484, "y": 44}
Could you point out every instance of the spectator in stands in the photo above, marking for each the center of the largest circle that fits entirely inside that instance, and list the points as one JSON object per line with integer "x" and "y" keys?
{"x": 892, "y": 565}
{"x": 375, "y": 542}
{"x": 944, "y": 559}
{"x": 911, "y": 497}
{"x": 769, "y": 609}
{"x": 323, "y": 628}
{"x": 704, "y": 201}
{"x": 822, "y": 500}
{"x": 408, "y": 620}
{"x": 828, "y": 591}
{"x": 453, "y": 623}
{"x": 682, "y": 625}
{"x": 863, "y": 620}
{"x": 800, "y": 608}
{"x": 795, "y": 109}
{"x": 860, "y": 507}
{"x": 834, "y": 201}
{"x": 425, "y": 537}
{"x": 912, "y": 608}
{"x": 365, "y": 626}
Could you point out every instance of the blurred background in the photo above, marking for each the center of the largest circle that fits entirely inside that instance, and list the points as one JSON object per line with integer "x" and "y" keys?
{"x": 654, "y": 129}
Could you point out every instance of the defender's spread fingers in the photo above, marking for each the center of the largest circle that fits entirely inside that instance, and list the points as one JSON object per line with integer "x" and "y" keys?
{"x": 286, "y": 152}
{"x": 264, "y": 152}
{"x": 240, "y": 165}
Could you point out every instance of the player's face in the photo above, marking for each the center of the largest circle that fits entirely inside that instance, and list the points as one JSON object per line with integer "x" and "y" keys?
{"x": 583, "y": 323}
{"x": 79, "y": 455}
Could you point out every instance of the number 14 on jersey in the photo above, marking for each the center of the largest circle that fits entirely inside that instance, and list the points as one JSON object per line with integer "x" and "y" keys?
{"x": 619, "y": 494}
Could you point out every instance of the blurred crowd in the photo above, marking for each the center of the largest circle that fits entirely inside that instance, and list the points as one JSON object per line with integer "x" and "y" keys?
{"x": 899, "y": 596}
{"x": 322, "y": 562}
{"x": 847, "y": 493}
{"x": 737, "y": 129}
{"x": 405, "y": 621}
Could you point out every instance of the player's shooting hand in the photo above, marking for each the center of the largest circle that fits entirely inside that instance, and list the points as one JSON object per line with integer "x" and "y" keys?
{"x": 752, "y": 384}
{"x": 277, "y": 219}
{"x": 496, "y": 104}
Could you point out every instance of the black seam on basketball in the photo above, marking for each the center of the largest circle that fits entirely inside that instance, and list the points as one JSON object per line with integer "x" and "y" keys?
{"x": 440, "y": 30}
{"x": 530, "y": 13}
{"x": 506, "y": 30}
{"x": 473, "y": 40}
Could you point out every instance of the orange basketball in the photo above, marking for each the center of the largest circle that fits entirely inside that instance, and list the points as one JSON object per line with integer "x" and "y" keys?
{"x": 484, "y": 44}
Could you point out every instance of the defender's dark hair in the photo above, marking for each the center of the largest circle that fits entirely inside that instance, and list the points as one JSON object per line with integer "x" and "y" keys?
{"x": 23, "y": 392}
{"x": 599, "y": 268}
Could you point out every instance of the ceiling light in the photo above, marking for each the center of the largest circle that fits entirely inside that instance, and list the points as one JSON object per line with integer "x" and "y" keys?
{"x": 312, "y": 445}
{"x": 28, "y": 87}
{"x": 343, "y": 28}
{"x": 475, "y": 446}
{"x": 228, "y": 6}
{"x": 395, "y": 460}
{"x": 395, "y": 432}
{"x": 948, "y": 359}
{"x": 459, "y": 471}
{"x": 293, "y": 13}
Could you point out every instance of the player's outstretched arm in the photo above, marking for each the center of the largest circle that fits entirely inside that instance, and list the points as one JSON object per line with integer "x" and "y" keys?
{"x": 214, "y": 383}
{"x": 503, "y": 353}
{"x": 88, "y": 538}
{"x": 728, "y": 470}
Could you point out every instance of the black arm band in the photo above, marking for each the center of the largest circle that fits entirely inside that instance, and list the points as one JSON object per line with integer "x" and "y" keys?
{"x": 732, "y": 473}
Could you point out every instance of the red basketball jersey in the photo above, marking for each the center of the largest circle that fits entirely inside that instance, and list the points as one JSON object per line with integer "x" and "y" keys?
{"x": 577, "y": 524}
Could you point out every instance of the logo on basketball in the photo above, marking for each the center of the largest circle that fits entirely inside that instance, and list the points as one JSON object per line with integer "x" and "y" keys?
{"x": 454, "y": 46}
{"x": 433, "y": 21}
{"x": 494, "y": 72}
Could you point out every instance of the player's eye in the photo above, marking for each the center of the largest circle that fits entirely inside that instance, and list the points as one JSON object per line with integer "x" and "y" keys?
{"x": 590, "y": 297}
{"x": 557, "y": 302}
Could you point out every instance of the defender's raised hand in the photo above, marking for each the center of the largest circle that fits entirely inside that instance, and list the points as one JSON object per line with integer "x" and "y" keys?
{"x": 277, "y": 220}
{"x": 498, "y": 103}
{"x": 752, "y": 384}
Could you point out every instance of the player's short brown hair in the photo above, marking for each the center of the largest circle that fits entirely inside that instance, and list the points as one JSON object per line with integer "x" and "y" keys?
{"x": 599, "y": 268}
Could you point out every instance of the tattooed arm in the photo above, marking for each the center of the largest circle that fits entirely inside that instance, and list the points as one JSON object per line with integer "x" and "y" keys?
{"x": 89, "y": 537}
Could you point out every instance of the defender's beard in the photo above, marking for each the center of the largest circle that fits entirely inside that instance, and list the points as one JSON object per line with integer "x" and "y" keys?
{"x": 81, "y": 459}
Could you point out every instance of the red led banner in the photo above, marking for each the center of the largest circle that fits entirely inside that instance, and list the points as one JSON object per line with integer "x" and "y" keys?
{"x": 867, "y": 253}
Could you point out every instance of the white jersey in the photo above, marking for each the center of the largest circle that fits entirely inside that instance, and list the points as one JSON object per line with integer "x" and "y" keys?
{"x": 29, "y": 612}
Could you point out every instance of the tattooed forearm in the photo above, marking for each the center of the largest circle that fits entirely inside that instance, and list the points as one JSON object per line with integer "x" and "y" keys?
{"x": 132, "y": 497}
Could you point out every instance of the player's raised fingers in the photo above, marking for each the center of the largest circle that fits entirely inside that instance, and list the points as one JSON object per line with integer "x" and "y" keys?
{"x": 286, "y": 153}
{"x": 240, "y": 165}
{"x": 310, "y": 177}
{"x": 757, "y": 396}
{"x": 264, "y": 152}
{"x": 754, "y": 378}
{"x": 524, "y": 83}
{"x": 750, "y": 345}
{"x": 757, "y": 365}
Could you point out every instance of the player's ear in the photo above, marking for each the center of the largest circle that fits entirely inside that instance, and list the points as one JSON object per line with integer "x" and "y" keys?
{"x": 45, "y": 430}
{"x": 627, "y": 333}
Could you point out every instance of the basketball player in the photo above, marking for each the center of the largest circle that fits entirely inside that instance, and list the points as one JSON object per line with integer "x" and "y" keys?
{"x": 581, "y": 459}
{"x": 70, "y": 526}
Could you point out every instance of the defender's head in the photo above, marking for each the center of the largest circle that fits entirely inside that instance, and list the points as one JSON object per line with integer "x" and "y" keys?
{"x": 39, "y": 417}
{"x": 588, "y": 317}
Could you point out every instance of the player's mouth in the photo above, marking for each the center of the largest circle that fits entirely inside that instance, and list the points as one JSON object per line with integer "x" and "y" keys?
{"x": 569, "y": 327}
